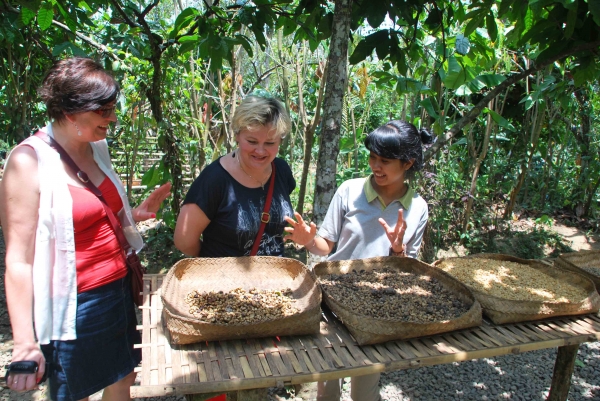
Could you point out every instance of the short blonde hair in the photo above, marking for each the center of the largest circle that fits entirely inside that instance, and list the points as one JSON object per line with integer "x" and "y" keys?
{"x": 255, "y": 111}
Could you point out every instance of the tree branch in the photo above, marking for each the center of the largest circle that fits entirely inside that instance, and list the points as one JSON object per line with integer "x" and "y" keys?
{"x": 87, "y": 39}
{"x": 478, "y": 108}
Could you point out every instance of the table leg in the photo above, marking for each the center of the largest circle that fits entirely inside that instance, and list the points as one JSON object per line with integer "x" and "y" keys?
{"x": 563, "y": 370}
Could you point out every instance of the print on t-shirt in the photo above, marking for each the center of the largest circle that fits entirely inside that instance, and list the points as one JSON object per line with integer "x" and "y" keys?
{"x": 234, "y": 211}
{"x": 249, "y": 221}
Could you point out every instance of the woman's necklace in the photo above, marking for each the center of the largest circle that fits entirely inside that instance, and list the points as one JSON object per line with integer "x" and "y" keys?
{"x": 262, "y": 185}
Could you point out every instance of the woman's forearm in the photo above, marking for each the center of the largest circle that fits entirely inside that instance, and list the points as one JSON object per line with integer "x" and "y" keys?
{"x": 19, "y": 299}
{"x": 319, "y": 246}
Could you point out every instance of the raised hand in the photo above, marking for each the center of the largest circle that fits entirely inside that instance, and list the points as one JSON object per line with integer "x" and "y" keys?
{"x": 300, "y": 232}
{"x": 148, "y": 208}
{"x": 396, "y": 234}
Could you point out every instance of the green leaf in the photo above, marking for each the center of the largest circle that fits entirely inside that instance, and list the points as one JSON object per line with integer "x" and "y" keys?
{"x": 594, "y": 9}
{"x": 475, "y": 22}
{"x": 183, "y": 20}
{"x": 492, "y": 28}
{"x": 528, "y": 20}
{"x": 501, "y": 121}
{"x": 505, "y": 7}
{"x": 579, "y": 363}
{"x": 375, "y": 14}
{"x": 410, "y": 85}
{"x": 26, "y": 15}
{"x": 491, "y": 80}
{"x": 58, "y": 49}
{"x": 431, "y": 107}
{"x": 462, "y": 44}
{"x": 361, "y": 52}
{"x": 84, "y": 5}
{"x": 45, "y": 15}
{"x": 571, "y": 21}
{"x": 151, "y": 177}
{"x": 585, "y": 73}
{"x": 454, "y": 75}
{"x": 68, "y": 20}
{"x": 187, "y": 47}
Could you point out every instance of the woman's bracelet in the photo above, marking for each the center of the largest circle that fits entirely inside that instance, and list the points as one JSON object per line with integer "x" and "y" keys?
{"x": 311, "y": 244}
{"x": 402, "y": 253}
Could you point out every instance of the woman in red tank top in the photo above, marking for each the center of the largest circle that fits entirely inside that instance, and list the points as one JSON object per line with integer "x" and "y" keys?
{"x": 80, "y": 98}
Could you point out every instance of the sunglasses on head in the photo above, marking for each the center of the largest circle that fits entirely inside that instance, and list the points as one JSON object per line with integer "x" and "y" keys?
{"x": 105, "y": 112}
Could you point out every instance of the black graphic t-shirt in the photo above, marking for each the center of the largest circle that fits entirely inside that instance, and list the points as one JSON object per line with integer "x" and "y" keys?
{"x": 234, "y": 211}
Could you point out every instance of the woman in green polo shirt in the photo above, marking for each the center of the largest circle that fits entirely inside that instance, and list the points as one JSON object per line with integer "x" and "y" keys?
{"x": 375, "y": 216}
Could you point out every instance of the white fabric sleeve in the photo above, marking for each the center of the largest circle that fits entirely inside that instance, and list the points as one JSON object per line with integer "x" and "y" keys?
{"x": 413, "y": 245}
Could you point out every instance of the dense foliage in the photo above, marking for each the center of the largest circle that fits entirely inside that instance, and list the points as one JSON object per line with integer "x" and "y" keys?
{"x": 510, "y": 89}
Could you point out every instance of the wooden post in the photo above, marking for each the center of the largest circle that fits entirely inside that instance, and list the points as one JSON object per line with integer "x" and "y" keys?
{"x": 563, "y": 369}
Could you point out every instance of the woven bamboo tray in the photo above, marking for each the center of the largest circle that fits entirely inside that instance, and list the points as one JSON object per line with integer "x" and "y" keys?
{"x": 576, "y": 262}
{"x": 226, "y": 274}
{"x": 369, "y": 330}
{"x": 502, "y": 310}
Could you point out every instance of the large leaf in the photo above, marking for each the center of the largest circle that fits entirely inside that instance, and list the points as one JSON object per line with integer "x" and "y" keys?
{"x": 477, "y": 17}
{"x": 492, "y": 28}
{"x": 501, "y": 121}
{"x": 491, "y": 80}
{"x": 365, "y": 47}
{"x": 26, "y": 15}
{"x": 45, "y": 15}
{"x": 594, "y": 9}
{"x": 462, "y": 44}
{"x": 505, "y": 7}
{"x": 454, "y": 75}
{"x": 431, "y": 107}
{"x": 183, "y": 20}
{"x": 571, "y": 21}
{"x": 409, "y": 85}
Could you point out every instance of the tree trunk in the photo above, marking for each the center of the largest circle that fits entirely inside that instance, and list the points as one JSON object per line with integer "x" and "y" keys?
{"x": 536, "y": 129}
{"x": 309, "y": 132}
{"x": 336, "y": 82}
{"x": 478, "y": 161}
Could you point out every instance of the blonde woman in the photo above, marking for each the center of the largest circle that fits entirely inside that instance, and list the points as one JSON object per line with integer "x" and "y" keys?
{"x": 222, "y": 211}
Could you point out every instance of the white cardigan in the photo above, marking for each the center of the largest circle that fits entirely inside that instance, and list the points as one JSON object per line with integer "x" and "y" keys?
{"x": 54, "y": 271}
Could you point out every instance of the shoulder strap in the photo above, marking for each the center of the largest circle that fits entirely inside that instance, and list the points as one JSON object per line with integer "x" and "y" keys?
{"x": 83, "y": 177}
{"x": 265, "y": 217}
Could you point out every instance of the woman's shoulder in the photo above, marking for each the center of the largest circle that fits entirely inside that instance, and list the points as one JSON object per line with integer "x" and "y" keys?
{"x": 418, "y": 202}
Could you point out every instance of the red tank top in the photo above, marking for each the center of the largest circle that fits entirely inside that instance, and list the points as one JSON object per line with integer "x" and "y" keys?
{"x": 98, "y": 255}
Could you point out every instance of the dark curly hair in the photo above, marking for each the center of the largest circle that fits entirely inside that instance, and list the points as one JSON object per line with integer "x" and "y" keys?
{"x": 400, "y": 140}
{"x": 75, "y": 85}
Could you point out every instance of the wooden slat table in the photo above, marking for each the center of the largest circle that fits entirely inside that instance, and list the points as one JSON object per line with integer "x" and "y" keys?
{"x": 222, "y": 366}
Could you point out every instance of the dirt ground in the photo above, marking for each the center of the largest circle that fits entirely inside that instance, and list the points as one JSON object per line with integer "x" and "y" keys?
{"x": 577, "y": 238}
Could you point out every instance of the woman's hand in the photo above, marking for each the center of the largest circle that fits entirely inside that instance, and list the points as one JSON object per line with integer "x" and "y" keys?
{"x": 26, "y": 381}
{"x": 300, "y": 232}
{"x": 396, "y": 234}
{"x": 149, "y": 207}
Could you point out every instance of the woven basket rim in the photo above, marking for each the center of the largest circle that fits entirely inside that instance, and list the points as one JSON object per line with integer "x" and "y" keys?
{"x": 466, "y": 289}
{"x": 276, "y": 263}
{"x": 530, "y": 262}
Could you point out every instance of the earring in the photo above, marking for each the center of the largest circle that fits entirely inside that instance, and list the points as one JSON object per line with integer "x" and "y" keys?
{"x": 77, "y": 128}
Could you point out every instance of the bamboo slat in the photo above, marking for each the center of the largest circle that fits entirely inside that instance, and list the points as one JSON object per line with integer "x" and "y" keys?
{"x": 221, "y": 366}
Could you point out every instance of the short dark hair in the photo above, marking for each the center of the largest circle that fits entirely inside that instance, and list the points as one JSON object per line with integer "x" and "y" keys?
{"x": 75, "y": 85}
{"x": 400, "y": 140}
